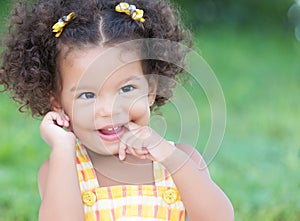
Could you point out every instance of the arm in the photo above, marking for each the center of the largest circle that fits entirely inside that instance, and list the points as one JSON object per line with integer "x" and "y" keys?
{"x": 58, "y": 179}
{"x": 202, "y": 198}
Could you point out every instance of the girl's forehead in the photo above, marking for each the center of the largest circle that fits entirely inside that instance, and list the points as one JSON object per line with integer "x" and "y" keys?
{"x": 97, "y": 65}
{"x": 100, "y": 56}
{"x": 100, "y": 47}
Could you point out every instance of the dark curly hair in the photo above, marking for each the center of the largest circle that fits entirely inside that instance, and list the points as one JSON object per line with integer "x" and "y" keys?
{"x": 29, "y": 68}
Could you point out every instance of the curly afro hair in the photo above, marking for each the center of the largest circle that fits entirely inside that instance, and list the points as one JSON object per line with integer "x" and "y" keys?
{"x": 29, "y": 68}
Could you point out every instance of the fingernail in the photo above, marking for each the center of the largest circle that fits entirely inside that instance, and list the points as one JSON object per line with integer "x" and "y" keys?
{"x": 121, "y": 157}
{"x": 59, "y": 121}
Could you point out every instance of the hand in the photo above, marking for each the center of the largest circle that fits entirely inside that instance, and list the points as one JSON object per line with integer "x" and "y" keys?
{"x": 53, "y": 132}
{"x": 143, "y": 142}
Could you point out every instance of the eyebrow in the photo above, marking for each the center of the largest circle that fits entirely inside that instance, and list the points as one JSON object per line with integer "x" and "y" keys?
{"x": 130, "y": 78}
{"x": 73, "y": 89}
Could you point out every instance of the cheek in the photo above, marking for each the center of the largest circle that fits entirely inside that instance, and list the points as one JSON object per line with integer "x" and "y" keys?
{"x": 140, "y": 112}
{"x": 81, "y": 116}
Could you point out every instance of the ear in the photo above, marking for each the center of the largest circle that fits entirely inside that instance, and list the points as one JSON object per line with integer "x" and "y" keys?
{"x": 152, "y": 91}
{"x": 55, "y": 103}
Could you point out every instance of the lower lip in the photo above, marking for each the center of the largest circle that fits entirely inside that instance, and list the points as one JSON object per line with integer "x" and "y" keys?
{"x": 113, "y": 137}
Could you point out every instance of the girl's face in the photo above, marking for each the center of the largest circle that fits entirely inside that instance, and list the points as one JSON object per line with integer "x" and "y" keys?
{"x": 101, "y": 93}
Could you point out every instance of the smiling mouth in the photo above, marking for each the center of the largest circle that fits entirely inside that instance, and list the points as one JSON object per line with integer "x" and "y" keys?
{"x": 112, "y": 133}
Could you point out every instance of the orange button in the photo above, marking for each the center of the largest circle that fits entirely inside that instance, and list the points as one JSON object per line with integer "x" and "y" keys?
{"x": 170, "y": 196}
{"x": 89, "y": 198}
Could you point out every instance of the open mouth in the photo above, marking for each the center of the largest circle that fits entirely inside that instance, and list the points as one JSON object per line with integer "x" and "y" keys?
{"x": 111, "y": 133}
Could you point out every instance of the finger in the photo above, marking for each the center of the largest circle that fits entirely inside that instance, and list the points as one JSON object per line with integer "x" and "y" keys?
{"x": 54, "y": 118}
{"x": 131, "y": 126}
{"x": 66, "y": 121}
{"x": 137, "y": 143}
{"x": 145, "y": 150}
{"x": 139, "y": 151}
{"x": 135, "y": 152}
{"x": 127, "y": 151}
{"x": 137, "y": 146}
{"x": 122, "y": 151}
{"x": 66, "y": 116}
{"x": 61, "y": 121}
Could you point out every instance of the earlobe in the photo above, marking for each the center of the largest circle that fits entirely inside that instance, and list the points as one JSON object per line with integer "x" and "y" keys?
{"x": 151, "y": 94}
{"x": 151, "y": 101}
{"x": 55, "y": 104}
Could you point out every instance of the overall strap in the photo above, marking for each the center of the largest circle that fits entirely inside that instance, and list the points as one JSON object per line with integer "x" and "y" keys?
{"x": 86, "y": 173}
{"x": 161, "y": 175}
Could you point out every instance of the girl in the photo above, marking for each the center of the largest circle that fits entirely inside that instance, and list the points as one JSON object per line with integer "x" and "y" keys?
{"x": 64, "y": 62}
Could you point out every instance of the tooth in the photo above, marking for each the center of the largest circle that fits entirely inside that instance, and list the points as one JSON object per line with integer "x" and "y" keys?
{"x": 112, "y": 128}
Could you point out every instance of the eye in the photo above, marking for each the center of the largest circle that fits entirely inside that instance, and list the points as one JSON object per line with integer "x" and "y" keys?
{"x": 87, "y": 95}
{"x": 126, "y": 89}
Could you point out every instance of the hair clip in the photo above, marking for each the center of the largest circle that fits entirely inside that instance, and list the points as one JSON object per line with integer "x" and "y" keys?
{"x": 131, "y": 10}
{"x": 58, "y": 27}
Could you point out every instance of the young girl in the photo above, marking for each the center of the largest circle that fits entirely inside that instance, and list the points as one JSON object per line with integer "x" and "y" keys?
{"x": 64, "y": 62}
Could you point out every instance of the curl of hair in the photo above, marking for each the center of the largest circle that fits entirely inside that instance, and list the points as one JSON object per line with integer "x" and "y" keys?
{"x": 29, "y": 69}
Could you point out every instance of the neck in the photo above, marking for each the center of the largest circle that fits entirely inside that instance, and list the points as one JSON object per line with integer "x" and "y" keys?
{"x": 132, "y": 170}
{"x": 130, "y": 159}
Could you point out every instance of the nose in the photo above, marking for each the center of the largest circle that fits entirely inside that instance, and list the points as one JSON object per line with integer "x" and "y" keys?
{"x": 106, "y": 107}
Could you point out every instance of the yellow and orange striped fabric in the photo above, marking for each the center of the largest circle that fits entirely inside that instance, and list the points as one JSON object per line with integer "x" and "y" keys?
{"x": 159, "y": 202}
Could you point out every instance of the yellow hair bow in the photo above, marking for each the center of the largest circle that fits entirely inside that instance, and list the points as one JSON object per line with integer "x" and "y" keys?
{"x": 58, "y": 27}
{"x": 131, "y": 10}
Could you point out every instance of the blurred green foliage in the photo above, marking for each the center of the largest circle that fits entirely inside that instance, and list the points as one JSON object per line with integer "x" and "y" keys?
{"x": 235, "y": 12}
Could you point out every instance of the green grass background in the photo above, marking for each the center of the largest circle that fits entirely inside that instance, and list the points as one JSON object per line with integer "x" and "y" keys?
{"x": 259, "y": 159}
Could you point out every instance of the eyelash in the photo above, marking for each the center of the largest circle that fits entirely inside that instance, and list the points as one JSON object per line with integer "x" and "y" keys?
{"x": 84, "y": 95}
{"x": 91, "y": 95}
{"x": 127, "y": 86}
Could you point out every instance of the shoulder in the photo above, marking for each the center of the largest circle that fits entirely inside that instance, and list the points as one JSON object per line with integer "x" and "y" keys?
{"x": 42, "y": 177}
{"x": 195, "y": 156}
